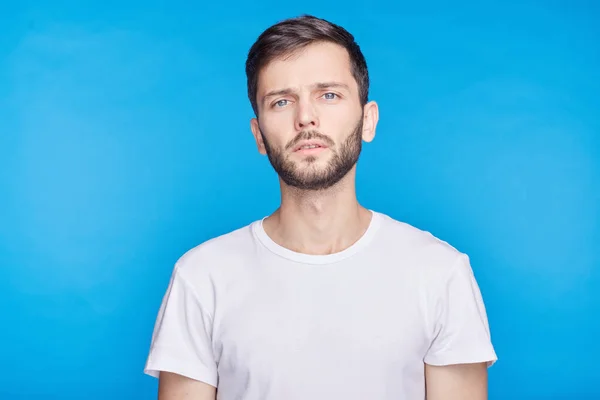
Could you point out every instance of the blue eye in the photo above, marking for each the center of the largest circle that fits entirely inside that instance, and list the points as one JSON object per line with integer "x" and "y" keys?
{"x": 280, "y": 103}
{"x": 330, "y": 96}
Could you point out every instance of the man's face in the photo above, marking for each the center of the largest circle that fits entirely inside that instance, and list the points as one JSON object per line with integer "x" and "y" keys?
{"x": 310, "y": 118}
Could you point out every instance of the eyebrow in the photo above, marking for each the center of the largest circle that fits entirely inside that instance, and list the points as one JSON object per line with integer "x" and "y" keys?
{"x": 319, "y": 85}
{"x": 330, "y": 85}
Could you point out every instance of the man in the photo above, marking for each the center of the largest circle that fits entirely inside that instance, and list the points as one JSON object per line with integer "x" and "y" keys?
{"x": 323, "y": 299}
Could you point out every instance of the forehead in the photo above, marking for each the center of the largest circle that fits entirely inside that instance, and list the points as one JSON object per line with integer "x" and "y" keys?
{"x": 318, "y": 62}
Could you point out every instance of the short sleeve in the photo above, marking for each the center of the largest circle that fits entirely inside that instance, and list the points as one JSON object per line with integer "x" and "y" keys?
{"x": 461, "y": 331}
{"x": 181, "y": 340}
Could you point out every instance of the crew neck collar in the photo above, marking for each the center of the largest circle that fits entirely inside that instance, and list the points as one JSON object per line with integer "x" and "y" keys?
{"x": 259, "y": 232}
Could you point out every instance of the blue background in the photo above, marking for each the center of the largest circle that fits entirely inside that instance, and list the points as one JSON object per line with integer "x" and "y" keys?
{"x": 125, "y": 141}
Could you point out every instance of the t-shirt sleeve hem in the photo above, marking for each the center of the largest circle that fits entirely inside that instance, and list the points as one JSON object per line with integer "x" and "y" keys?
{"x": 452, "y": 359}
{"x": 153, "y": 369}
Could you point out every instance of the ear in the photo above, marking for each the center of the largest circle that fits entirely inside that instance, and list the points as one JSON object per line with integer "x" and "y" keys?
{"x": 255, "y": 128}
{"x": 370, "y": 119}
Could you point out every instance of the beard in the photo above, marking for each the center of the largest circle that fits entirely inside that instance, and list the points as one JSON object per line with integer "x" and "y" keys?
{"x": 310, "y": 176}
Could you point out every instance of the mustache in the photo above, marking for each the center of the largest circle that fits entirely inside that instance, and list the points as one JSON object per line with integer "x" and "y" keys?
{"x": 308, "y": 135}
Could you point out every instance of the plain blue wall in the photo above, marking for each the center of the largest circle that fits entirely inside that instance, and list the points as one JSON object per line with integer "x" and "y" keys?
{"x": 125, "y": 141}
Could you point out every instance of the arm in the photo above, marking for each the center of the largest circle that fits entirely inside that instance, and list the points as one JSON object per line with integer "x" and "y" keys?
{"x": 457, "y": 382}
{"x": 181, "y": 354}
{"x": 177, "y": 387}
{"x": 461, "y": 352}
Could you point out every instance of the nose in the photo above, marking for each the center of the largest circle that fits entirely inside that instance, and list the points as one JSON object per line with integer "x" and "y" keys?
{"x": 306, "y": 116}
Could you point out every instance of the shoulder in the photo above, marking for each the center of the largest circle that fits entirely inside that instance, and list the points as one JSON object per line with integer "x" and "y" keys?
{"x": 418, "y": 248}
{"x": 216, "y": 254}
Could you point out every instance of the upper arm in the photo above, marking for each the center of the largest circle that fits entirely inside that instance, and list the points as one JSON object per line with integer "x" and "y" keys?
{"x": 457, "y": 382}
{"x": 459, "y": 329}
{"x": 177, "y": 387}
{"x": 181, "y": 353}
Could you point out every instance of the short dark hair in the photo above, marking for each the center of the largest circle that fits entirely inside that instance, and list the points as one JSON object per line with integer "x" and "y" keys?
{"x": 290, "y": 35}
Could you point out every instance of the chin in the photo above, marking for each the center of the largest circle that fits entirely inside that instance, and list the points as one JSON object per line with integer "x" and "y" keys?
{"x": 311, "y": 167}
{"x": 312, "y": 159}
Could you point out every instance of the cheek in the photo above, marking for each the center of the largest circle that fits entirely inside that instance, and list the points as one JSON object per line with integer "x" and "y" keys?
{"x": 278, "y": 127}
{"x": 276, "y": 122}
{"x": 340, "y": 116}
{"x": 275, "y": 139}
{"x": 339, "y": 129}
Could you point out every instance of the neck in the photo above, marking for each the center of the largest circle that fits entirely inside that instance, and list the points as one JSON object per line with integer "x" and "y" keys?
{"x": 318, "y": 222}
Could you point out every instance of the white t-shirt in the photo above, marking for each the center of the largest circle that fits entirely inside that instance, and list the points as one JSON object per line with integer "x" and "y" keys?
{"x": 261, "y": 322}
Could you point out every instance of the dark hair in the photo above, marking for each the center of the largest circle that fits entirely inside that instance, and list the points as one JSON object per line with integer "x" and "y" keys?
{"x": 288, "y": 36}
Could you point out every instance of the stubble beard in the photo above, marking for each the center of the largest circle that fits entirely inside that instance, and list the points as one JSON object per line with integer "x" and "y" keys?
{"x": 306, "y": 174}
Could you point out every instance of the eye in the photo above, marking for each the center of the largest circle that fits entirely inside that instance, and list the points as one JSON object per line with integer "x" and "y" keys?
{"x": 280, "y": 103}
{"x": 330, "y": 96}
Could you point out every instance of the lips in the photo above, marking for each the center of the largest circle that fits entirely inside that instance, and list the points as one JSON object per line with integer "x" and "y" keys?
{"x": 309, "y": 145}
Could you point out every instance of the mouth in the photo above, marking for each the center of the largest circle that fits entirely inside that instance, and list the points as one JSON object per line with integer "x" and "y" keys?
{"x": 309, "y": 146}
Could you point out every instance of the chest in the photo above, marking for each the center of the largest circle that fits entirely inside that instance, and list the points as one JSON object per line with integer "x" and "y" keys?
{"x": 271, "y": 326}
